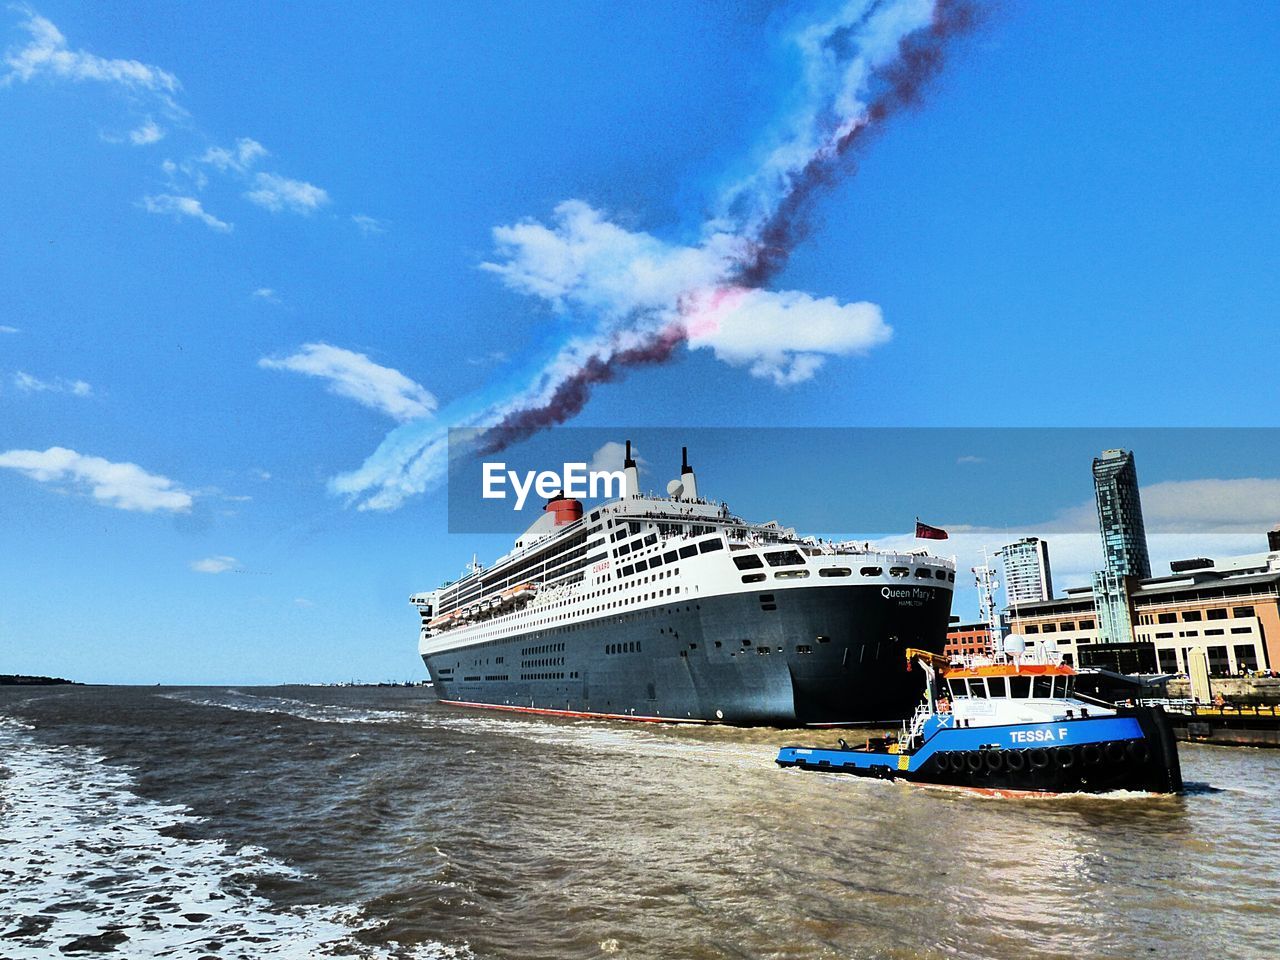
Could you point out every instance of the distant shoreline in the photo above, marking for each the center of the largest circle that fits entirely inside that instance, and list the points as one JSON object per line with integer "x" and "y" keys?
{"x": 22, "y": 680}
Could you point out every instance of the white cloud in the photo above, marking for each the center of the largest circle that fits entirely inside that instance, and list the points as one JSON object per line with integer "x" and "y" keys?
{"x": 30, "y": 384}
{"x": 783, "y": 336}
{"x": 267, "y": 294}
{"x": 278, "y": 193}
{"x": 585, "y": 262}
{"x": 7, "y": 329}
{"x": 214, "y": 564}
{"x": 239, "y": 158}
{"x": 261, "y": 474}
{"x": 970, "y": 458}
{"x": 47, "y": 55}
{"x": 184, "y": 207}
{"x": 302, "y": 602}
{"x": 369, "y": 225}
{"x": 355, "y": 376}
{"x": 611, "y": 455}
{"x": 125, "y": 486}
{"x": 150, "y": 132}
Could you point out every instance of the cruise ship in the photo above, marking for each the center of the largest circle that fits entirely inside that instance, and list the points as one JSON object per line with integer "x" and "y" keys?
{"x": 673, "y": 609}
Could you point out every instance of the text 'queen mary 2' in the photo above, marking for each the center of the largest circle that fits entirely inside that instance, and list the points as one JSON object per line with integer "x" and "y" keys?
{"x": 673, "y": 609}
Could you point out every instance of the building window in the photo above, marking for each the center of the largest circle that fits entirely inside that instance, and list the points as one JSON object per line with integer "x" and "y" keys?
{"x": 1050, "y": 628}
{"x": 1246, "y": 656}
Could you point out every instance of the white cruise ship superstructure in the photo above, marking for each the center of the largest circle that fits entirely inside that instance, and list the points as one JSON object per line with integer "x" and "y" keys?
{"x": 674, "y": 609}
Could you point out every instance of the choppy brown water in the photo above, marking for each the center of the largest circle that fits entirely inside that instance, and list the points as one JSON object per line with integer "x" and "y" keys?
{"x": 301, "y": 822}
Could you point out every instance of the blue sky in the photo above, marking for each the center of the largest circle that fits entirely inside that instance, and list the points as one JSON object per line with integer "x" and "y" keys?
{"x": 242, "y": 245}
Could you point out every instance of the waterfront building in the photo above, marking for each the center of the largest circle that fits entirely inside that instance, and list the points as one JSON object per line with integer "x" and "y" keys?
{"x": 968, "y": 639}
{"x": 1228, "y": 609}
{"x": 1124, "y": 543}
{"x": 1026, "y": 570}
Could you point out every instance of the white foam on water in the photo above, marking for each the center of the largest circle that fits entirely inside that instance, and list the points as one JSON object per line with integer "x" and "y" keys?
{"x": 83, "y": 856}
{"x": 288, "y": 706}
{"x": 614, "y": 736}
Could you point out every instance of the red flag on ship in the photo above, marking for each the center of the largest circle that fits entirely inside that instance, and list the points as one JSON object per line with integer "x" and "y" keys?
{"x": 926, "y": 532}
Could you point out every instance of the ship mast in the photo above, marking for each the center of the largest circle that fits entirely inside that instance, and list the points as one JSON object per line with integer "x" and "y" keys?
{"x": 985, "y": 581}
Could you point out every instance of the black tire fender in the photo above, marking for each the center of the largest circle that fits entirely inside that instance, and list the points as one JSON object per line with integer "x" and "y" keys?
{"x": 995, "y": 761}
{"x": 1090, "y": 754}
{"x": 1067, "y": 757}
{"x": 1016, "y": 760}
{"x": 1039, "y": 758}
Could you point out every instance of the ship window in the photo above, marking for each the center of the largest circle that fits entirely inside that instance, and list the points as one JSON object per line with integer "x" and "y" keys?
{"x": 1033, "y": 629}
{"x": 752, "y": 577}
{"x": 748, "y": 561}
{"x": 1050, "y": 628}
{"x": 791, "y": 574}
{"x": 708, "y": 546}
{"x": 782, "y": 558}
{"x": 768, "y": 606}
{"x": 1242, "y": 611}
{"x": 1167, "y": 618}
{"x": 1042, "y": 686}
{"x": 1242, "y": 630}
{"x": 669, "y": 557}
{"x": 951, "y": 575}
{"x": 655, "y": 561}
{"x": 642, "y": 565}
{"x": 1192, "y": 615}
{"x": 803, "y": 648}
{"x": 627, "y": 571}
{"x": 924, "y": 573}
{"x": 871, "y": 571}
{"x": 823, "y": 639}
{"x": 1086, "y": 624}
{"x": 1019, "y": 686}
{"x": 1218, "y": 614}
{"x": 899, "y": 571}
{"x": 996, "y": 687}
{"x": 650, "y": 540}
{"x": 689, "y": 551}
{"x": 624, "y": 549}
{"x": 834, "y": 572}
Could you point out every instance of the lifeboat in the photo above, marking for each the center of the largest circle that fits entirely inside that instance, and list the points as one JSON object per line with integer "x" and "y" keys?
{"x": 523, "y": 592}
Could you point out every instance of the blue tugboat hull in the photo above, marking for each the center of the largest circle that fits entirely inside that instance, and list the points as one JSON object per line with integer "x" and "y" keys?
{"x": 1134, "y": 750}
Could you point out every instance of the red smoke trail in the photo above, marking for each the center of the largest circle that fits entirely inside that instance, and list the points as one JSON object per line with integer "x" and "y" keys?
{"x": 920, "y": 58}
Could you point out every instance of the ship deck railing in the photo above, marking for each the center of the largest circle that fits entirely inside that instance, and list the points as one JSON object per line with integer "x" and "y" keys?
{"x": 1190, "y": 708}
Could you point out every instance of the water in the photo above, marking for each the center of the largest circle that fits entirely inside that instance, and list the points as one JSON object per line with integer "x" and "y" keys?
{"x": 312, "y": 822}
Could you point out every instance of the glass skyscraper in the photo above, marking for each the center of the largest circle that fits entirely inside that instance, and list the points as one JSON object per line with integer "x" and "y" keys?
{"x": 1124, "y": 543}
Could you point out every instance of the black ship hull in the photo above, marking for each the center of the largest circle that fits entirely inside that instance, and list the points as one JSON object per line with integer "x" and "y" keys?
{"x": 801, "y": 656}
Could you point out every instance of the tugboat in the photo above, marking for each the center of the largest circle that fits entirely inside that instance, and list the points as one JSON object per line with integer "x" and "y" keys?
{"x": 1012, "y": 723}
